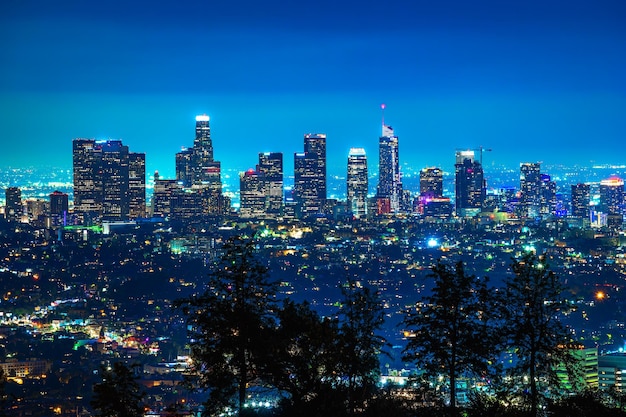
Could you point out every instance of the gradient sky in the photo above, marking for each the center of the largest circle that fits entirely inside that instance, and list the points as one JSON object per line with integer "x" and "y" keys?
{"x": 534, "y": 80}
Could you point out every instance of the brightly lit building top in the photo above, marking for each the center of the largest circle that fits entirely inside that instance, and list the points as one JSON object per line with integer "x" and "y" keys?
{"x": 357, "y": 152}
{"x": 463, "y": 155}
{"x": 612, "y": 182}
{"x": 202, "y": 118}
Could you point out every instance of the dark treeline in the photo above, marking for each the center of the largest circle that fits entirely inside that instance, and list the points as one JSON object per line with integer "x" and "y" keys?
{"x": 506, "y": 343}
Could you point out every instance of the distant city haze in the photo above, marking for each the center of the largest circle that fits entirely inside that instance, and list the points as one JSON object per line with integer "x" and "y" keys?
{"x": 531, "y": 81}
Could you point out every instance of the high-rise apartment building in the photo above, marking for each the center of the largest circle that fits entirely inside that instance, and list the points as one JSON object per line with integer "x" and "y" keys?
{"x": 102, "y": 180}
{"x": 13, "y": 204}
{"x": 271, "y": 167}
{"x": 309, "y": 189}
{"x": 470, "y": 187}
{"x": 581, "y": 197}
{"x": 389, "y": 190}
{"x": 357, "y": 182}
{"x": 431, "y": 183}
{"x": 530, "y": 189}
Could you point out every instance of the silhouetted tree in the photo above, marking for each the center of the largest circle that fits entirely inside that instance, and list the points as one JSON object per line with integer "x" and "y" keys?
{"x": 451, "y": 333}
{"x": 119, "y": 394}
{"x": 360, "y": 320}
{"x": 229, "y": 325}
{"x": 303, "y": 359}
{"x": 532, "y": 305}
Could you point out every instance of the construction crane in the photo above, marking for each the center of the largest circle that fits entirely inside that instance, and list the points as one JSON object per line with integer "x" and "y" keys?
{"x": 481, "y": 149}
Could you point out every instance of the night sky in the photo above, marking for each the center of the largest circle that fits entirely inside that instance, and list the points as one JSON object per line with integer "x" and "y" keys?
{"x": 532, "y": 80}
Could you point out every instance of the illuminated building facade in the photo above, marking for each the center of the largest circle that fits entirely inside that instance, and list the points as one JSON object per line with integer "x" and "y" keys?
{"x": 252, "y": 187}
{"x": 309, "y": 191}
{"x": 470, "y": 187}
{"x": 59, "y": 208}
{"x": 162, "y": 196}
{"x": 102, "y": 181}
{"x": 530, "y": 189}
{"x": 271, "y": 167}
{"x": 431, "y": 183}
{"x": 581, "y": 197}
{"x": 13, "y": 199}
{"x": 357, "y": 182}
{"x": 389, "y": 179}
{"x": 547, "y": 196}
{"x": 197, "y": 169}
{"x": 612, "y": 200}
{"x": 137, "y": 185}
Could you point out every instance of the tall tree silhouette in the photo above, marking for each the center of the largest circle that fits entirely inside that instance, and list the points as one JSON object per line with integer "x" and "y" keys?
{"x": 229, "y": 325}
{"x": 360, "y": 320}
{"x": 303, "y": 360}
{"x": 119, "y": 394}
{"x": 451, "y": 333}
{"x": 533, "y": 302}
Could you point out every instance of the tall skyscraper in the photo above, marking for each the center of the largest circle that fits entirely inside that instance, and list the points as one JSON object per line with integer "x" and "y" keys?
{"x": 310, "y": 176}
{"x": 581, "y": 197}
{"x": 88, "y": 195}
{"x": 470, "y": 187}
{"x": 357, "y": 182}
{"x": 271, "y": 167}
{"x": 196, "y": 168}
{"x": 612, "y": 200}
{"x": 162, "y": 195}
{"x": 612, "y": 195}
{"x": 547, "y": 196}
{"x": 530, "y": 189}
{"x": 431, "y": 183}
{"x": 137, "y": 185}
{"x": 13, "y": 204}
{"x": 252, "y": 187}
{"x": 102, "y": 180}
{"x": 389, "y": 190}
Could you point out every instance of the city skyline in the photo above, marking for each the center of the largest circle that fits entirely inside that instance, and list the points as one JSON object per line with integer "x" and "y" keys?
{"x": 533, "y": 81}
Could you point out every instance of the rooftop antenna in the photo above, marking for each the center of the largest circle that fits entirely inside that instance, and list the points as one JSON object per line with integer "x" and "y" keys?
{"x": 382, "y": 110}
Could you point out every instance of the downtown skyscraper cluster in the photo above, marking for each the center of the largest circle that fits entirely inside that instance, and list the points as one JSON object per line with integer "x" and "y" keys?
{"x": 109, "y": 181}
{"x": 110, "y": 185}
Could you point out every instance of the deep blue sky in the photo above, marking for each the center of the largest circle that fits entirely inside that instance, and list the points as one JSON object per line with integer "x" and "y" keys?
{"x": 535, "y": 80}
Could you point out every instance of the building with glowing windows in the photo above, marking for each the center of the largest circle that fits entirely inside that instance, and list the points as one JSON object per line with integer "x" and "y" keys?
{"x": 581, "y": 197}
{"x": 252, "y": 192}
{"x": 106, "y": 178}
{"x": 470, "y": 187}
{"x": 13, "y": 204}
{"x": 530, "y": 189}
{"x": 389, "y": 189}
{"x": 612, "y": 200}
{"x": 309, "y": 189}
{"x": 431, "y": 183}
{"x": 547, "y": 196}
{"x": 357, "y": 182}
{"x": 271, "y": 167}
{"x": 197, "y": 169}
